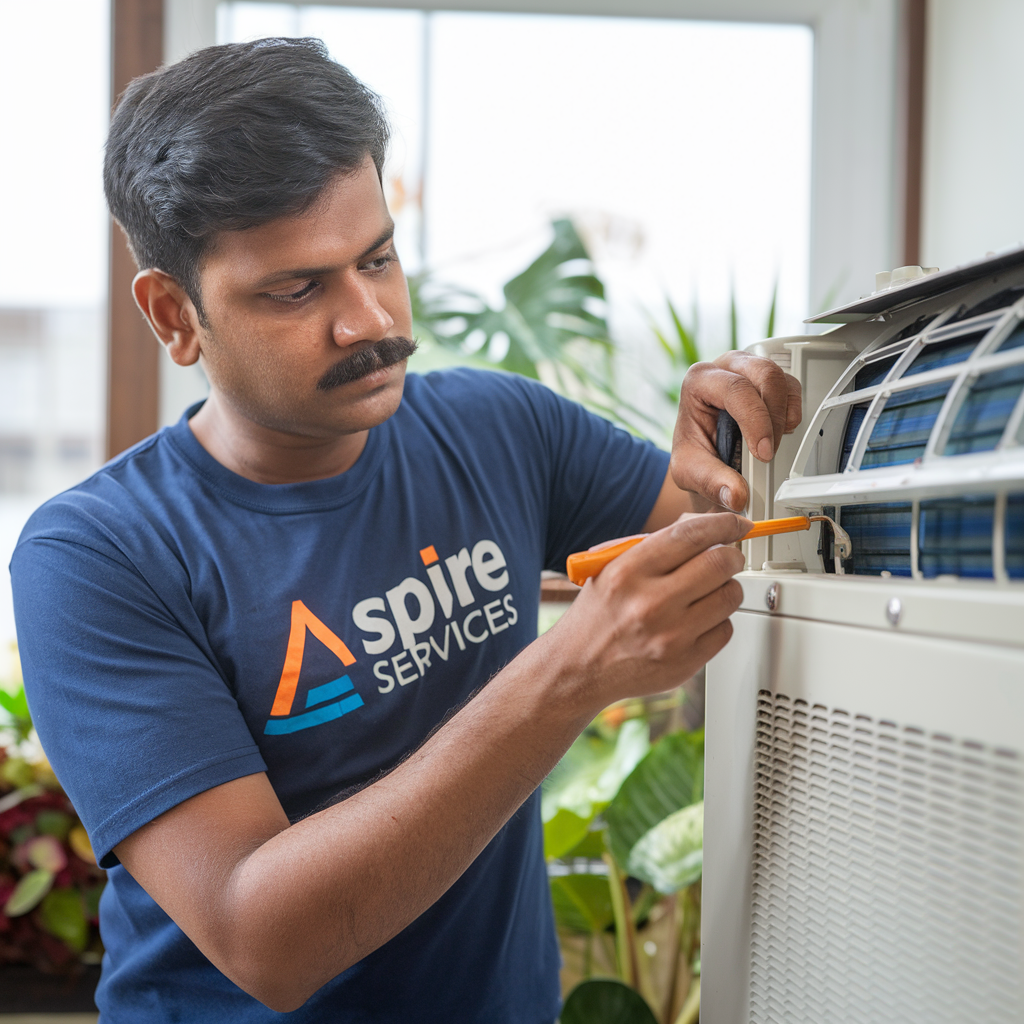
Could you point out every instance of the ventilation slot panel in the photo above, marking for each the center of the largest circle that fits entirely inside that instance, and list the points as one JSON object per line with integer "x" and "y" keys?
{"x": 1015, "y": 340}
{"x": 944, "y": 353}
{"x": 887, "y": 872}
{"x": 986, "y": 410}
{"x": 853, "y": 425}
{"x": 874, "y": 373}
{"x": 1015, "y": 536}
{"x": 901, "y": 431}
{"x": 880, "y": 535}
{"x": 956, "y": 537}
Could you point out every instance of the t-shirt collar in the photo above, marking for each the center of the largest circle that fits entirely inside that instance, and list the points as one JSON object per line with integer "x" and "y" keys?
{"x": 281, "y": 499}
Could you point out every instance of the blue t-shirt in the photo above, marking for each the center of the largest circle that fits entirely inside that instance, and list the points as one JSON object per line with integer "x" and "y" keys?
{"x": 181, "y": 626}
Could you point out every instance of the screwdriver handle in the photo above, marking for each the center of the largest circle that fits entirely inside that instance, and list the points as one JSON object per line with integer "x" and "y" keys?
{"x": 581, "y": 566}
{"x": 584, "y": 564}
{"x": 729, "y": 441}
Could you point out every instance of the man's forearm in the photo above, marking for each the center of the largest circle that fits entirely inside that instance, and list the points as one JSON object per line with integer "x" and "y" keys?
{"x": 317, "y": 896}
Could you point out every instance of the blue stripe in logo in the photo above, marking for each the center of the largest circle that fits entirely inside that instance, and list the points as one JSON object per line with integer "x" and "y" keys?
{"x": 335, "y": 688}
{"x": 327, "y": 713}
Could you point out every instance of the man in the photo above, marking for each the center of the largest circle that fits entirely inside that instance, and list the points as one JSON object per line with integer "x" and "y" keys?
{"x": 280, "y": 654}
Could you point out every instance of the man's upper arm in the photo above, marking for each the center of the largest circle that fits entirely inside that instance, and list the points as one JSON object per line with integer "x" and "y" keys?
{"x": 604, "y": 482}
{"x": 131, "y": 711}
{"x": 227, "y": 823}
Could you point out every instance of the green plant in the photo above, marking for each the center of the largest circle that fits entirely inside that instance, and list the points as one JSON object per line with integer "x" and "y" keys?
{"x": 638, "y": 808}
{"x": 551, "y": 326}
{"x": 49, "y": 882}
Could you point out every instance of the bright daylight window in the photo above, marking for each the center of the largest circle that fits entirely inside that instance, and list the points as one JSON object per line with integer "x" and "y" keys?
{"x": 679, "y": 149}
{"x": 53, "y": 261}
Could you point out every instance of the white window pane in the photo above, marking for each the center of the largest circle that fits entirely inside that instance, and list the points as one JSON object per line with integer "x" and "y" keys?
{"x": 688, "y": 142}
{"x": 55, "y": 107}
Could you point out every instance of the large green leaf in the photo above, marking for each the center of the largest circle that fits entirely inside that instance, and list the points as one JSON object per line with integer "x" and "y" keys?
{"x": 583, "y": 903}
{"x": 605, "y": 1001}
{"x": 592, "y": 770}
{"x": 670, "y": 856}
{"x": 31, "y": 888}
{"x": 668, "y": 779}
{"x": 552, "y": 303}
{"x": 63, "y": 916}
{"x": 591, "y": 846}
{"x": 564, "y": 832}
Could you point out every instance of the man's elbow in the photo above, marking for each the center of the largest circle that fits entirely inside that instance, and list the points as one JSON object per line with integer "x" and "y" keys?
{"x": 278, "y": 989}
{"x": 271, "y": 973}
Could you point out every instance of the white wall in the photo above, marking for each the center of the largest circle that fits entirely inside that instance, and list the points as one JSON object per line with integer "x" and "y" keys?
{"x": 974, "y": 130}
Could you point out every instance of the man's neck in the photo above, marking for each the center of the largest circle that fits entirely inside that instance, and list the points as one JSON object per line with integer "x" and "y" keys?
{"x": 267, "y": 455}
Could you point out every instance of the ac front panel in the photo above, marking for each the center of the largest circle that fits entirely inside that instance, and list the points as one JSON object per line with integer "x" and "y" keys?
{"x": 863, "y": 846}
{"x": 983, "y": 612}
{"x": 864, "y": 798}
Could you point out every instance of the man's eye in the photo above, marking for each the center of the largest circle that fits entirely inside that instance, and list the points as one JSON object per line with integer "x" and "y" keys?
{"x": 305, "y": 290}
{"x": 381, "y": 262}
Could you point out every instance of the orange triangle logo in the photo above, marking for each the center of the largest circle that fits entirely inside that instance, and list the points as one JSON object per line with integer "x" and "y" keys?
{"x": 303, "y": 619}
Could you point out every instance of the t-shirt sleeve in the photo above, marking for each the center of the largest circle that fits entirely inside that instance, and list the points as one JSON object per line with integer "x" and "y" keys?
{"x": 603, "y": 481}
{"x": 132, "y": 712}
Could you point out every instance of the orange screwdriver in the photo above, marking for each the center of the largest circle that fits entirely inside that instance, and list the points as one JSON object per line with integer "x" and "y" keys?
{"x": 582, "y": 565}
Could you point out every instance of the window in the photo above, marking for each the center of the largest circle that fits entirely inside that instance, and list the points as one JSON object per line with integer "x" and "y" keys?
{"x": 505, "y": 121}
{"x": 53, "y": 263}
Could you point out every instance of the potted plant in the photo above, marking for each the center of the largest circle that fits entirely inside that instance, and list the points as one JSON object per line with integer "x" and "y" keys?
{"x": 50, "y": 884}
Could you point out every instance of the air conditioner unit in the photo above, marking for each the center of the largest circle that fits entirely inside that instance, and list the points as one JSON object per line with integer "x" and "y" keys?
{"x": 864, "y": 801}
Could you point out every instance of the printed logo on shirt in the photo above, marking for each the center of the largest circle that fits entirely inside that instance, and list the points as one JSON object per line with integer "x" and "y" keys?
{"x": 414, "y": 607}
{"x": 321, "y": 705}
{"x": 407, "y": 616}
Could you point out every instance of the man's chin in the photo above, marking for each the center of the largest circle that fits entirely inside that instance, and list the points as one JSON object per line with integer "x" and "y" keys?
{"x": 372, "y": 399}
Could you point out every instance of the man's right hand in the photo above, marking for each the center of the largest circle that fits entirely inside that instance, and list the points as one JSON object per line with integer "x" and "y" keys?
{"x": 655, "y": 614}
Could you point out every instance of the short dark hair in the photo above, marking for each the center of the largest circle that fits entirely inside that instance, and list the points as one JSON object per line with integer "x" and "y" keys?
{"x": 229, "y": 138}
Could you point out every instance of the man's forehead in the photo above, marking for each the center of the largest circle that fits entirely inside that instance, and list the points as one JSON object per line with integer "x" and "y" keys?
{"x": 348, "y": 221}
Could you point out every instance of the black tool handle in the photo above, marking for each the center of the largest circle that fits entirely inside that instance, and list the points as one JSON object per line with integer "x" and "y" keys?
{"x": 729, "y": 441}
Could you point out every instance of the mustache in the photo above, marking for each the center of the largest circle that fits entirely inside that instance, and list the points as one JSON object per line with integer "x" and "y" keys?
{"x": 377, "y": 356}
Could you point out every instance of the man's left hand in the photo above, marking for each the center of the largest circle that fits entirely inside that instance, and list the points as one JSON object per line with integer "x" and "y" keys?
{"x": 763, "y": 400}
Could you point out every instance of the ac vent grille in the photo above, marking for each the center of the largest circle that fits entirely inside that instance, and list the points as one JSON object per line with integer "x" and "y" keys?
{"x": 888, "y": 871}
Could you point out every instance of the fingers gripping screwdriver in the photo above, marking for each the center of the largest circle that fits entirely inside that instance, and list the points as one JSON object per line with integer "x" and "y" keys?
{"x": 582, "y": 565}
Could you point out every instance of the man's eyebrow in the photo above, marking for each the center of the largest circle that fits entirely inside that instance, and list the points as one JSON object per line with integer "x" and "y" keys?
{"x": 385, "y": 236}
{"x": 299, "y": 272}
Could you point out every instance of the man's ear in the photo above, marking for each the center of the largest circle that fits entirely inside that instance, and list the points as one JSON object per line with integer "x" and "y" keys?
{"x": 170, "y": 312}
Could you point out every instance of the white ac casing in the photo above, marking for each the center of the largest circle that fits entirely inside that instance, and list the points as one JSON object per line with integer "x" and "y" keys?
{"x": 864, "y": 793}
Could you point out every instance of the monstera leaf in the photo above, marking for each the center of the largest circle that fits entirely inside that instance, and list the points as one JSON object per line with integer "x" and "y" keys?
{"x": 668, "y": 780}
{"x": 556, "y": 300}
{"x": 605, "y": 1001}
{"x": 585, "y": 780}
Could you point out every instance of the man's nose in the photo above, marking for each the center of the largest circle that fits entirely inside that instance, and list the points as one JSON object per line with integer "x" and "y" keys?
{"x": 360, "y": 316}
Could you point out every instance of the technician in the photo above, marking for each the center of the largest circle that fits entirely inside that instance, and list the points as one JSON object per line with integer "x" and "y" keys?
{"x": 283, "y": 654}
